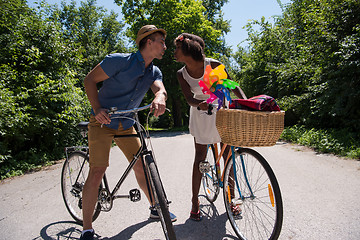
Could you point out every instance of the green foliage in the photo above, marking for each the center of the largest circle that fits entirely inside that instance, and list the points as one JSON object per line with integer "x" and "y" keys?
{"x": 39, "y": 101}
{"x": 45, "y": 55}
{"x": 202, "y": 18}
{"x": 95, "y": 32}
{"x": 341, "y": 142}
{"x": 10, "y": 12}
{"x": 309, "y": 60}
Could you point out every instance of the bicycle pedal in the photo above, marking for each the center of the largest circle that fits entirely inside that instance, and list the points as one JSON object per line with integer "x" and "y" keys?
{"x": 204, "y": 167}
{"x": 135, "y": 195}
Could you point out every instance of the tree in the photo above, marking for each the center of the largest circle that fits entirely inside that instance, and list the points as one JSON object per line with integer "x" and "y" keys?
{"x": 39, "y": 101}
{"x": 175, "y": 17}
{"x": 45, "y": 54}
{"x": 310, "y": 60}
{"x": 96, "y": 32}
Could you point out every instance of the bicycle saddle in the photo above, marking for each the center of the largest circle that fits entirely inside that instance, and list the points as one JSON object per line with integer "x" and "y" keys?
{"x": 83, "y": 125}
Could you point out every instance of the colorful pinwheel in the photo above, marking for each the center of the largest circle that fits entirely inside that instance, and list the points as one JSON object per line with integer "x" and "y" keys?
{"x": 216, "y": 85}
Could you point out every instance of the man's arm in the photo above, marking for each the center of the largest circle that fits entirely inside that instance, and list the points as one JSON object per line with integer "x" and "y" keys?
{"x": 159, "y": 102}
{"x": 94, "y": 76}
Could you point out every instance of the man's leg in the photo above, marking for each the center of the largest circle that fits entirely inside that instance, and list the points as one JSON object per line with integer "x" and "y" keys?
{"x": 100, "y": 139}
{"x": 90, "y": 194}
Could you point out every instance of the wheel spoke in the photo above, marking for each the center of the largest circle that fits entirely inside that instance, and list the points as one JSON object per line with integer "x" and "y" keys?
{"x": 74, "y": 174}
{"x": 210, "y": 180}
{"x": 259, "y": 219}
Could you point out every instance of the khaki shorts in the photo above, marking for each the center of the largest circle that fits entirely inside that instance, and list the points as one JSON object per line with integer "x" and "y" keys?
{"x": 100, "y": 140}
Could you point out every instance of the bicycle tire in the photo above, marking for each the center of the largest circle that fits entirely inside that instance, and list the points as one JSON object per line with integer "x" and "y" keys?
{"x": 73, "y": 176}
{"x": 161, "y": 204}
{"x": 210, "y": 180}
{"x": 261, "y": 213}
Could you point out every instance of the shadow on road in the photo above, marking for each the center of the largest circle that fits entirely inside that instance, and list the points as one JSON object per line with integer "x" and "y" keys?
{"x": 128, "y": 232}
{"x": 60, "y": 230}
{"x": 212, "y": 226}
{"x": 72, "y": 230}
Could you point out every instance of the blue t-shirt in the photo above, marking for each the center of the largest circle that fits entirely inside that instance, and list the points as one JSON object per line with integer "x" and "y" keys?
{"x": 127, "y": 84}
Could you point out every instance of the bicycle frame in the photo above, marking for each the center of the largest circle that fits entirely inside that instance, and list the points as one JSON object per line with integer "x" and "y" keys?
{"x": 76, "y": 168}
{"x": 140, "y": 155}
{"x": 218, "y": 171}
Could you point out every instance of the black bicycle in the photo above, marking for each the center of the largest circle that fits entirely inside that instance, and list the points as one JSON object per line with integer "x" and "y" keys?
{"x": 76, "y": 167}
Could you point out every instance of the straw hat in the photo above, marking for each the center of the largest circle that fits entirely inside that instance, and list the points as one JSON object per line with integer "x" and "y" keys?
{"x": 147, "y": 30}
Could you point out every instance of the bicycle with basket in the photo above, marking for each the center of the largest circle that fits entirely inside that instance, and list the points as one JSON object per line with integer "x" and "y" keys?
{"x": 251, "y": 192}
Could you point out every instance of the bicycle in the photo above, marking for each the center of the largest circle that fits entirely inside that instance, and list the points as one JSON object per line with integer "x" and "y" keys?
{"x": 251, "y": 192}
{"x": 76, "y": 166}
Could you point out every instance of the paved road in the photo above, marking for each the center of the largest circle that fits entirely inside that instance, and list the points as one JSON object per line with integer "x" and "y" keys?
{"x": 321, "y": 196}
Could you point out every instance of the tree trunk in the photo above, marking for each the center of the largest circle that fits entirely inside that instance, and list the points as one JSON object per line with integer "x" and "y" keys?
{"x": 177, "y": 112}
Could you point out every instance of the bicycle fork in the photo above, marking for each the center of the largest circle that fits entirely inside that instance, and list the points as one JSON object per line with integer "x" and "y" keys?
{"x": 147, "y": 159}
{"x": 252, "y": 196}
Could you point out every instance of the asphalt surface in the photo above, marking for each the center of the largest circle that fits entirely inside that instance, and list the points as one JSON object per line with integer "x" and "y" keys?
{"x": 320, "y": 192}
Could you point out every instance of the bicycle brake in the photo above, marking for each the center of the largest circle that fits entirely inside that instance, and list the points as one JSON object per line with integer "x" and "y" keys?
{"x": 135, "y": 195}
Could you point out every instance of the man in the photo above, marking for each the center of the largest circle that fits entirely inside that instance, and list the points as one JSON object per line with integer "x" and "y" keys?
{"x": 126, "y": 78}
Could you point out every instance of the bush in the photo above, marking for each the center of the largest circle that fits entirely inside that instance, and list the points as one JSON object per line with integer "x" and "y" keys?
{"x": 309, "y": 60}
{"x": 342, "y": 142}
{"x": 39, "y": 101}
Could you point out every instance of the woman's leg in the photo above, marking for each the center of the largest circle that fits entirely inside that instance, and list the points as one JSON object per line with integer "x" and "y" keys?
{"x": 200, "y": 155}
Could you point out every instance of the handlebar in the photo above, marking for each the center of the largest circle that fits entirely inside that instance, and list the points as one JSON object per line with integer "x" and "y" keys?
{"x": 209, "y": 110}
{"x": 114, "y": 110}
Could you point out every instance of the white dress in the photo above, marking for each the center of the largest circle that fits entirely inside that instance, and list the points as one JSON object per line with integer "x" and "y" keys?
{"x": 201, "y": 125}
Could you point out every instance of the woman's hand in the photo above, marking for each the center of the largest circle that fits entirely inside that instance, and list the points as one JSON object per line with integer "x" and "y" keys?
{"x": 203, "y": 106}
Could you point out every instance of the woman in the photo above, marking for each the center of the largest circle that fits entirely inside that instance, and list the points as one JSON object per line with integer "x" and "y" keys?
{"x": 190, "y": 51}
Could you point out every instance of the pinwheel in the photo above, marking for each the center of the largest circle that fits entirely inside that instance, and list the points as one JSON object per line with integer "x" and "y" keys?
{"x": 216, "y": 85}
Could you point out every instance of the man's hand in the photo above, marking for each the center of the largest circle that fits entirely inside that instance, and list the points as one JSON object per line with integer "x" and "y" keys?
{"x": 102, "y": 116}
{"x": 158, "y": 105}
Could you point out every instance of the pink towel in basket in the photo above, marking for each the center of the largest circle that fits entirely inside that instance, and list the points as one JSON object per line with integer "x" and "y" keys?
{"x": 259, "y": 103}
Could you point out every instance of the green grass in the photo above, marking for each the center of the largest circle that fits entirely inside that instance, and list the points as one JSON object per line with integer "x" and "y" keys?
{"x": 341, "y": 142}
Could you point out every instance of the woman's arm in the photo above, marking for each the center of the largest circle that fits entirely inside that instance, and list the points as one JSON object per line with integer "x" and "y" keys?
{"x": 189, "y": 96}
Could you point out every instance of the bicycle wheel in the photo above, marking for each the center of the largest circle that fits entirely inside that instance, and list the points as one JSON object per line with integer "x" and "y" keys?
{"x": 260, "y": 199}
{"x": 73, "y": 176}
{"x": 161, "y": 204}
{"x": 209, "y": 179}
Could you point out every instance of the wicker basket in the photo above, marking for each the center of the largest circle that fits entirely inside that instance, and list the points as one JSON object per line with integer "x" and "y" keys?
{"x": 243, "y": 128}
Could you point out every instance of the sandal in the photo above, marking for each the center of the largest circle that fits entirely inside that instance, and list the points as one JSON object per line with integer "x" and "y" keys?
{"x": 236, "y": 210}
{"x": 195, "y": 216}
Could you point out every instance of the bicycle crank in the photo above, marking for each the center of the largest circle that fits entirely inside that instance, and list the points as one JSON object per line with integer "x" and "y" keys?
{"x": 105, "y": 200}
